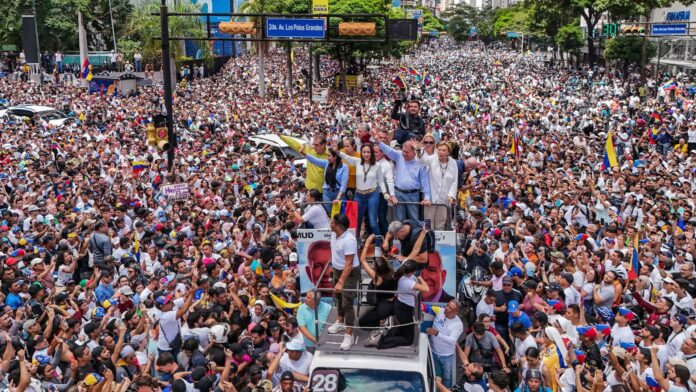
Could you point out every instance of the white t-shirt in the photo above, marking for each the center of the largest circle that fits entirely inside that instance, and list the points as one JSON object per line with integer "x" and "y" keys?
{"x": 521, "y": 346}
{"x": 406, "y": 283}
{"x": 343, "y": 246}
{"x": 200, "y": 333}
{"x": 449, "y": 331}
{"x": 483, "y": 308}
{"x": 63, "y": 277}
{"x": 169, "y": 326}
{"x": 572, "y": 296}
{"x": 299, "y": 366}
{"x": 622, "y": 334}
{"x": 316, "y": 216}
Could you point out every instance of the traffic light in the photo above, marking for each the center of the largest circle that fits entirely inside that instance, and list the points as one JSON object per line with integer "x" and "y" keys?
{"x": 633, "y": 29}
{"x": 241, "y": 28}
{"x": 157, "y": 133}
{"x": 357, "y": 28}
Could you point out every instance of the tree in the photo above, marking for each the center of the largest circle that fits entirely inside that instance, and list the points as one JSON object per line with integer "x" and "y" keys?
{"x": 590, "y": 11}
{"x": 569, "y": 39}
{"x": 546, "y": 17}
{"x": 627, "y": 50}
{"x": 515, "y": 18}
{"x": 260, "y": 7}
{"x": 463, "y": 17}
{"x": 142, "y": 27}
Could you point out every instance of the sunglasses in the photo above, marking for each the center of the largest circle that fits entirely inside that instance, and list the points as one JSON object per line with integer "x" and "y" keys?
{"x": 428, "y": 142}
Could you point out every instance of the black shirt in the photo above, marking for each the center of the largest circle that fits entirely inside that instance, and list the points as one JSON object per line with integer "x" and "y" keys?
{"x": 502, "y": 298}
{"x": 407, "y": 243}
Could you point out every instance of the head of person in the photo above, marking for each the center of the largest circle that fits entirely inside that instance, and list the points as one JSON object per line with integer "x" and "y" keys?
{"x": 428, "y": 142}
{"x": 413, "y": 107}
{"x": 294, "y": 349}
{"x": 408, "y": 151}
{"x": 533, "y": 379}
{"x": 334, "y": 158}
{"x": 348, "y": 144}
{"x": 399, "y": 230}
{"x": 443, "y": 151}
{"x": 473, "y": 371}
{"x": 319, "y": 143}
{"x": 408, "y": 268}
{"x": 367, "y": 154}
{"x": 340, "y": 223}
{"x": 434, "y": 275}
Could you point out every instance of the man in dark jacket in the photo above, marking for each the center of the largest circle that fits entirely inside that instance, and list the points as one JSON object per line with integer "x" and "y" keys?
{"x": 411, "y": 124}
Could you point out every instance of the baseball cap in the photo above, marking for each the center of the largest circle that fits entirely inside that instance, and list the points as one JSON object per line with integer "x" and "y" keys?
{"x": 587, "y": 331}
{"x": 555, "y": 287}
{"x": 295, "y": 345}
{"x": 627, "y": 313}
{"x": 507, "y": 279}
{"x": 513, "y": 306}
{"x": 292, "y": 256}
{"x": 515, "y": 271}
{"x": 287, "y": 376}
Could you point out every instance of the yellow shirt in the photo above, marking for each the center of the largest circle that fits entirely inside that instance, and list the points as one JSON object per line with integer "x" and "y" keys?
{"x": 549, "y": 359}
{"x": 315, "y": 174}
{"x": 351, "y": 171}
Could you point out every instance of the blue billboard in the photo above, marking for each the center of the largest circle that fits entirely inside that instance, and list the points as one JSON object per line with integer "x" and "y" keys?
{"x": 292, "y": 28}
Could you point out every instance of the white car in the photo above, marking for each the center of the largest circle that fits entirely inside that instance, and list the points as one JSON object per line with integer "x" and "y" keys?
{"x": 278, "y": 144}
{"x": 36, "y": 112}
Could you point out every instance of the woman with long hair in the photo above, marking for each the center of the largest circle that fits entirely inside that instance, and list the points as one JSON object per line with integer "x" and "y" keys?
{"x": 404, "y": 306}
{"x": 335, "y": 177}
{"x": 369, "y": 180}
{"x": 383, "y": 279}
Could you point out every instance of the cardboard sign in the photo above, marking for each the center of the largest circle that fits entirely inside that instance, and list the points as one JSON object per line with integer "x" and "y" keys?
{"x": 176, "y": 192}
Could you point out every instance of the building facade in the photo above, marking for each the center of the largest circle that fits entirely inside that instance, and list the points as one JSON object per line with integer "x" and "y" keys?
{"x": 677, "y": 53}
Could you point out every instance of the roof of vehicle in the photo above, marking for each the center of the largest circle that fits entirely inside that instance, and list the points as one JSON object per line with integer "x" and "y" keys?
{"x": 34, "y": 108}
{"x": 358, "y": 358}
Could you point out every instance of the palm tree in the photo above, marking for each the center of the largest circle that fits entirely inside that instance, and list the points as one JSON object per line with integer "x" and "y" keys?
{"x": 143, "y": 27}
{"x": 260, "y": 7}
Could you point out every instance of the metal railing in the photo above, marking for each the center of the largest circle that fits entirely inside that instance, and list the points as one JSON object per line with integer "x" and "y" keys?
{"x": 451, "y": 210}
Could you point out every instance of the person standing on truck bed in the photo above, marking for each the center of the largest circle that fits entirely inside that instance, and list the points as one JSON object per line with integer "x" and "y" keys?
{"x": 346, "y": 275}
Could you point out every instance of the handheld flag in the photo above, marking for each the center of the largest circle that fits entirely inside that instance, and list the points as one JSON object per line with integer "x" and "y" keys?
{"x": 515, "y": 147}
{"x": 402, "y": 68}
{"x": 412, "y": 71}
{"x": 635, "y": 261}
{"x": 427, "y": 80}
{"x": 286, "y": 306}
{"x": 399, "y": 81}
{"x": 670, "y": 85}
{"x": 609, "y": 153}
{"x": 86, "y": 70}
{"x": 139, "y": 166}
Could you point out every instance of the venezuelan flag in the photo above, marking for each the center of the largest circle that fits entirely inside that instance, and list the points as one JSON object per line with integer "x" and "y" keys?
{"x": 286, "y": 306}
{"x": 635, "y": 263}
{"x": 86, "y": 70}
{"x": 427, "y": 80}
{"x": 399, "y": 81}
{"x": 651, "y": 135}
{"x": 609, "y": 153}
{"x": 412, "y": 71}
{"x": 350, "y": 209}
{"x": 670, "y": 85}
{"x": 515, "y": 147}
{"x": 139, "y": 166}
{"x": 402, "y": 68}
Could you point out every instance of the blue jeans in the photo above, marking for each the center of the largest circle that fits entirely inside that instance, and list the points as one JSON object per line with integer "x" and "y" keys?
{"x": 382, "y": 215}
{"x": 59, "y": 65}
{"x": 368, "y": 203}
{"x": 403, "y": 212}
{"x": 444, "y": 367}
{"x": 138, "y": 66}
{"x": 328, "y": 196}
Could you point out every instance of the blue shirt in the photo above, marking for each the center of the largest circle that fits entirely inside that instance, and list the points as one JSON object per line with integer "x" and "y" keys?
{"x": 341, "y": 173}
{"x": 13, "y": 300}
{"x": 305, "y": 318}
{"x": 103, "y": 293}
{"x": 408, "y": 175}
{"x": 522, "y": 318}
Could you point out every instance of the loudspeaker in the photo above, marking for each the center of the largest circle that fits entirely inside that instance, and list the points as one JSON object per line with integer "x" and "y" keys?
{"x": 402, "y": 29}
{"x": 30, "y": 39}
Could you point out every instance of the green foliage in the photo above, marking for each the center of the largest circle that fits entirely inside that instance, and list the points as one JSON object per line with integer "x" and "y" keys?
{"x": 626, "y": 49}
{"x": 430, "y": 21}
{"x": 57, "y": 21}
{"x": 463, "y": 16}
{"x": 547, "y": 16}
{"x": 128, "y": 47}
{"x": 144, "y": 28}
{"x": 513, "y": 18}
{"x": 569, "y": 38}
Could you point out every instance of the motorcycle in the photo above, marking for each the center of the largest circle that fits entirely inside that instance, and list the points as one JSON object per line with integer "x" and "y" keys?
{"x": 469, "y": 294}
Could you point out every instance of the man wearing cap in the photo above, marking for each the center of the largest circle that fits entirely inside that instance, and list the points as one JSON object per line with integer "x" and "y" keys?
{"x": 588, "y": 344}
{"x": 533, "y": 382}
{"x": 516, "y": 315}
{"x": 172, "y": 310}
{"x": 678, "y": 335}
{"x": 287, "y": 383}
{"x": 502, "y": 299}
{"x": 292, "y": 358}
{"x": 572, "y": 295}
{"x": 621, "y": 331}
{"x": 684, "y": 299}
{"x": 100, "y": 245}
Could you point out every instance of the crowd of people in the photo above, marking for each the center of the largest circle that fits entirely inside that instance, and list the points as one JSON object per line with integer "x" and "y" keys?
{"x": 572, "y": 191}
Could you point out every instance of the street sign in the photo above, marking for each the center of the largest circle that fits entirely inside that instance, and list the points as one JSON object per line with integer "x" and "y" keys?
{"x": 512, "y": 34}
{"x": 291, "y": 28}
{"x": 320, "y": 95}
{"x": 669, "y": 29}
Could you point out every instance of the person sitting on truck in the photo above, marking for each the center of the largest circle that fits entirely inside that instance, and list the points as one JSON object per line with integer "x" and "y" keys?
{"x": 402, "y": 334}
{"x": 383, "y": 278}
{"x": 409, "y": 234}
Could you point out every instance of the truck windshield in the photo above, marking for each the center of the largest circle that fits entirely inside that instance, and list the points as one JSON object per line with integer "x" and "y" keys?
{"x": 366, "y": 380}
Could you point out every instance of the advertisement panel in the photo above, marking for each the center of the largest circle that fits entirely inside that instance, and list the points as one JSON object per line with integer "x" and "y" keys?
{"x": 320, "y": 6}
{"x": 314, "y": 253}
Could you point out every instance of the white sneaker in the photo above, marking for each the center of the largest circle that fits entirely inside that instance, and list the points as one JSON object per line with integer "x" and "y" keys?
{"x": 336, "y": 328}
{"x": 347, "y": 342}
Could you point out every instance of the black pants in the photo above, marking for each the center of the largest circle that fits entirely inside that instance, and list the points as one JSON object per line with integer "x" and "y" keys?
{"x": 399, "y": 336}
{"x": 381, "y": 311}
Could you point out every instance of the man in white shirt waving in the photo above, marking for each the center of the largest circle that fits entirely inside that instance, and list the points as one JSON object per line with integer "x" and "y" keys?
{"x": 346, "y": 275}
{"x": 443, "y": 336}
